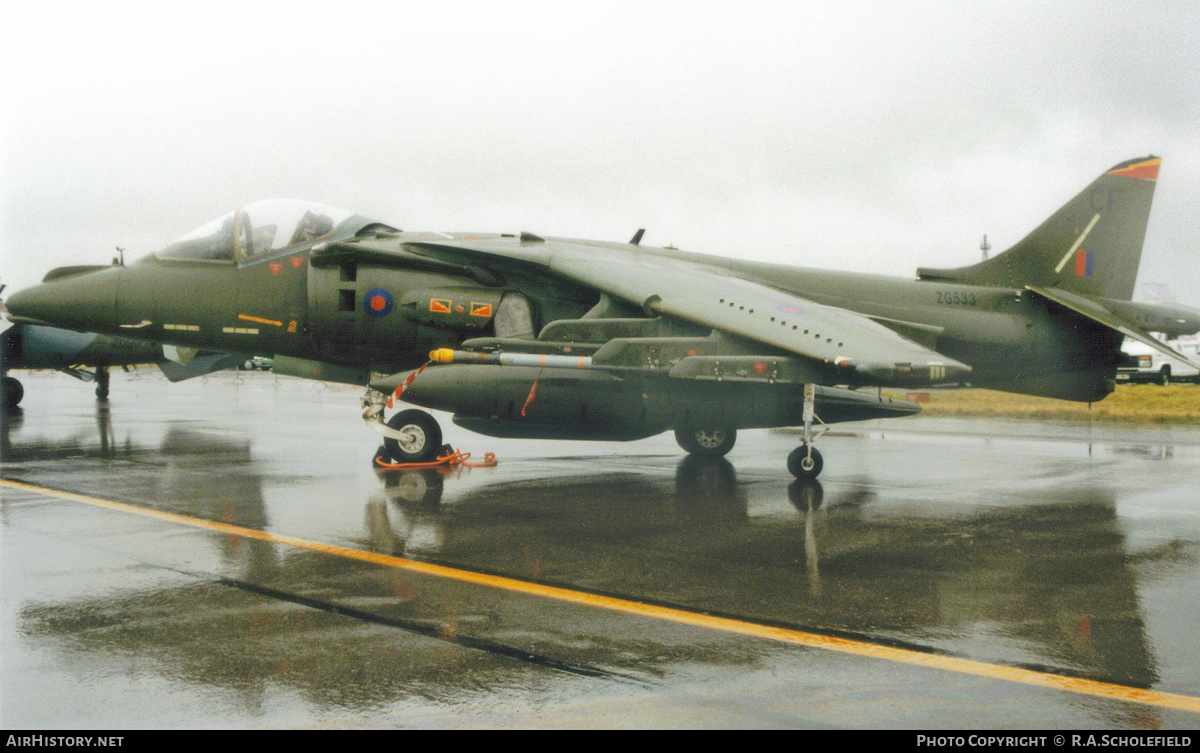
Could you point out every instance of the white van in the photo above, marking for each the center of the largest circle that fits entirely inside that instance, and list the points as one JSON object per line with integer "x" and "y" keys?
{"x": 1150, "y": 365}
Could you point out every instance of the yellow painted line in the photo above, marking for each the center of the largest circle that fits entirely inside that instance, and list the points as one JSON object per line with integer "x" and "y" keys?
{"x": 260, "y": 320}
{"x": 668, "y": 614}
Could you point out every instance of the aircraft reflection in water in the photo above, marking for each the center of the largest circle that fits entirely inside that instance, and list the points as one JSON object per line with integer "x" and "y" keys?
{"x": 82, "y": 444}
{"x": 183, "y": 462}
{"x": 404, "y": 518}
{"x": 619, "y": 341}
{"x": 1029, "y": 571}
{"x": 1025, "y": 576}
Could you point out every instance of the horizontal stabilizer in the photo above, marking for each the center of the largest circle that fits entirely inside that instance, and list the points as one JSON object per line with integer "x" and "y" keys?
{"x": 1100, "y": 313}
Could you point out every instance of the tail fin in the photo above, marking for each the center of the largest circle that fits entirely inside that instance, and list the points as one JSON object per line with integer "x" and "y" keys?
{"x": 1092, "y": 245}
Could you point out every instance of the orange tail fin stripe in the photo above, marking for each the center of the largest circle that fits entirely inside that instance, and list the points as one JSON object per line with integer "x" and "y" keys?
{"x": 1147, "y": 170}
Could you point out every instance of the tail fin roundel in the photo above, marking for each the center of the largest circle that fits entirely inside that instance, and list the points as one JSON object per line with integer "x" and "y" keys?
{"x": 1091, "y": 246}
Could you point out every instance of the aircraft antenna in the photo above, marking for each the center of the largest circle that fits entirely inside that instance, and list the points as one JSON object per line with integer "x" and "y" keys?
{"x": 985, "y": 247}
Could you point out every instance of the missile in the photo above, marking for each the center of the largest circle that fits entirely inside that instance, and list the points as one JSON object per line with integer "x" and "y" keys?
{"x": 541, "y": 360}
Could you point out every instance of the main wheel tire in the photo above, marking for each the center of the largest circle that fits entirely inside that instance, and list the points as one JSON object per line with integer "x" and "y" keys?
{"x": 13, "y": 392}
{"x": 1165, "y": 379}
{"x": 706, "y": 443}
{"x": 425, "y": 437}
{"x": 802, "y": 465}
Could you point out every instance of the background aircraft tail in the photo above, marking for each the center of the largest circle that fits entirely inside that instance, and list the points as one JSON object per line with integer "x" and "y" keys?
{"x": 1091, "y": 246}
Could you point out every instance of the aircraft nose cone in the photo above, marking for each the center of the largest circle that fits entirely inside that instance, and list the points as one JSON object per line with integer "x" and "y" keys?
{"x": 85, "y": 301}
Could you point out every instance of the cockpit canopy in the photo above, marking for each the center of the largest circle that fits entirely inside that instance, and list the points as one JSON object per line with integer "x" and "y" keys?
{"x": 258, "y": 229}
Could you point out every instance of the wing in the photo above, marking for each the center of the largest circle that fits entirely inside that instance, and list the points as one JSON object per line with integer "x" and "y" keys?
{"x": 709, "y": 295}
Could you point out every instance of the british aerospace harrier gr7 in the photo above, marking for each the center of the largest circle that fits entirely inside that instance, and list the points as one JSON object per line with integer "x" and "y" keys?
{"x": 523, "y": 336}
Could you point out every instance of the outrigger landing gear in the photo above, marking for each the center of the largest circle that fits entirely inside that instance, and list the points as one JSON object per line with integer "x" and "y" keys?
{"x": 102, "y": 382}
{"x": 805, "y": 462}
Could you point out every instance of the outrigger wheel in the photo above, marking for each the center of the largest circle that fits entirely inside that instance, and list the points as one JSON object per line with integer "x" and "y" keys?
{"x": 423, "y": 437}
{"x": 804, "y": 465}
{"x": 805, "y": 462}
{"x": 706, "y": 443}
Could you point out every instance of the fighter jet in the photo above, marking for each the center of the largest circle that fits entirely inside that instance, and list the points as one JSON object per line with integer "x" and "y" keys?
{"x": 27, "y": 346}
{"x": 88, "y": 356}
{"x": 518, "y": 335}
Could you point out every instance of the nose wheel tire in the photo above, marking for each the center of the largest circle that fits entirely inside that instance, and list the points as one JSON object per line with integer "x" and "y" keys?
{"x": 707, "y": 443}
{"x": 803, "y": 465}
{"x": 422, "y": 440}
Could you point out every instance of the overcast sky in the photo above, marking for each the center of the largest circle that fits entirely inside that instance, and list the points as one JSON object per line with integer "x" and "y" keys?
{"x": 865, "y": 136}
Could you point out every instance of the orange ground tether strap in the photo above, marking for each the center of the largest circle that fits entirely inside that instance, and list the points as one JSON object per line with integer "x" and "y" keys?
{"x": 452, "y": 460}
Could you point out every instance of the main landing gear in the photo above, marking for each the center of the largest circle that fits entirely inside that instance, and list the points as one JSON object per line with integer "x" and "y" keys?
{"x": 418, "y": 437}
{"x": 804, "y": 462}
{"x": 708, "y": 442}
{"x": 414, "y": 436}
{"x": 410, "y": 436}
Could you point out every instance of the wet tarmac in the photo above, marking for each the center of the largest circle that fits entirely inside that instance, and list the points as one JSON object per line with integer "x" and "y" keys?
{"x": 943, "y": 574}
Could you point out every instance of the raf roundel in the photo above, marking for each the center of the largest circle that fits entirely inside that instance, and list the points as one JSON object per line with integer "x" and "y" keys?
{"x": 377, "y": 302}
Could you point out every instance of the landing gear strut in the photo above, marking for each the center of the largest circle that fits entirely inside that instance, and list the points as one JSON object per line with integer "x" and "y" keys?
{"x": 805, "y": 462}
